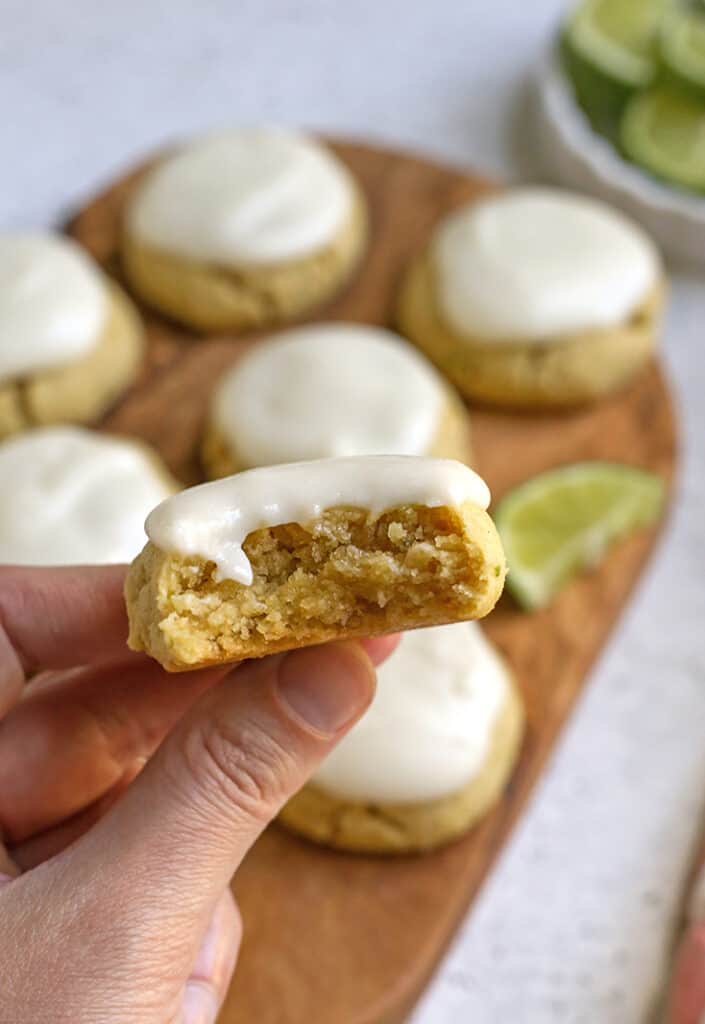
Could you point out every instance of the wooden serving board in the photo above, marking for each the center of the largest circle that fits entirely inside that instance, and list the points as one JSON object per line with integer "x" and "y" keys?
{"x": 336, "y": 939}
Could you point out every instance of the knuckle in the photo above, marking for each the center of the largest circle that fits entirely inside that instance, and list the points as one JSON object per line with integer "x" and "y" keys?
{"x": 244, "y": 767}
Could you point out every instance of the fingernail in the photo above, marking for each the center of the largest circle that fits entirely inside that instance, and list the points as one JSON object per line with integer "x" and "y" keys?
{"x": 199, "y": 1004}
{"x": 326, "y": 687}
{"x": 379, "y": 648}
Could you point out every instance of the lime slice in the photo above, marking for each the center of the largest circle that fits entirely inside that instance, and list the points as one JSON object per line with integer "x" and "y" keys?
{"x": 663, "y": 130}
{"x": 563, "y": 521}
{"x": 683, "y": 49}
{"x": 618, "y": 37}
{"x": 610, "y": 51}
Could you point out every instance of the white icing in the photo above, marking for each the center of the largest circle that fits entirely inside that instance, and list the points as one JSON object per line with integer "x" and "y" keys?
{"x": 74, "y": 497}
{"x": 534, "y": 264}
{"x": 428, "y": 731}
{"x": 248, "y": 196}
{"x": 211, "y": 521}
{"x": 326, "y": 390}
{"x": 53, "y": 303}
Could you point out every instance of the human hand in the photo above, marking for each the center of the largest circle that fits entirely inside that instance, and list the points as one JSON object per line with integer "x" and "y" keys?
{"x": 686, "y": 999}
{"x": 114, "y": 894}
{"x": 686, "y": 990}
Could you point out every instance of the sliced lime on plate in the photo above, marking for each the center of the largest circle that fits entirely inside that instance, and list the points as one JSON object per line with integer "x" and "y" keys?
{"x": 564, "y": 520}
{"x": 682, "y": 44}
{"x": 610, "y": 51}
{"x": 663, "y": 130}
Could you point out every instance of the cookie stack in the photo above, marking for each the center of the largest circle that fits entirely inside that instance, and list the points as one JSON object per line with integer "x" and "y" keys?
{"x": 340, "y": 501}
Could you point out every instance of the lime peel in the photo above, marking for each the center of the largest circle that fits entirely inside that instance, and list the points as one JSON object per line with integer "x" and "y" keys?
{"x": 663, "y": 130}
{"x": 683, "y": 48}
{"x": 616, "y": 57}
{"x": 619, "y": 37}
{"x": 610, "y": 52}
{"x": 563, "y": 521}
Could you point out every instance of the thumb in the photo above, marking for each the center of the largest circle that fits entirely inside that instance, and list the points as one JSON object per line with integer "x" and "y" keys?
{"x": 246, "y": 747}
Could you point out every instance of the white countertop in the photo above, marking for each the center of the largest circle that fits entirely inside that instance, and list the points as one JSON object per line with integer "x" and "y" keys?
{"x": 572, "y": 925}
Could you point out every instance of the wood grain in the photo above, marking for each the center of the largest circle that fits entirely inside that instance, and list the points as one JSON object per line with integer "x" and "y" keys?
{"x": 336, "y": 939}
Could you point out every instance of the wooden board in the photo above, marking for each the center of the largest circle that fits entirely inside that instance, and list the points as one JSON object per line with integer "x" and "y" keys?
{"x": 335, "y": 939}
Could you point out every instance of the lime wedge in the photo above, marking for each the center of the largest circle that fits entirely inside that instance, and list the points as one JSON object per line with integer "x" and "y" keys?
{"x": 610, "y": 50}
{"x": 683, "y": 49}
{"x": 663, "y": 130}
{"x": 563, "y": 521}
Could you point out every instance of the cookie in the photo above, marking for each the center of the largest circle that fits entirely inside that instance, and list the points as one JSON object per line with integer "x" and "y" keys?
{"x": 72, "y": 496}
{"x": 429, "y": 758}
{"x": 535, "y": 298}
{"x": 332, "y": 389}
{"x": 71, "y": 341}
{"x": 243, "y": 229}
{"x": 286, "y": 556}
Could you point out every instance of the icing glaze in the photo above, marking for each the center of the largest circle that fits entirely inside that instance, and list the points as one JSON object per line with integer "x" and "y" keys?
{"x": 74, "y": 497}
{"x": 212, "y": 520}
{"x": 534, "y": 264}
{"x": 244, "y": 197}
{"x": 428, "y": 730}
{"x": 326, "y": 390}
{"x": 53, "y": 303}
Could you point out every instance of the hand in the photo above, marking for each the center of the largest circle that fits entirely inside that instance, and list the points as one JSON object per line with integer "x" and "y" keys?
{"x": 686, "y": 990}
{"x": 686, "y": 998}
{"x": 114, "y": 894}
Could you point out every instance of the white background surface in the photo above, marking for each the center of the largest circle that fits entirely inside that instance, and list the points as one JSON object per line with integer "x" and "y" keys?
{"x": 572, "y": 926}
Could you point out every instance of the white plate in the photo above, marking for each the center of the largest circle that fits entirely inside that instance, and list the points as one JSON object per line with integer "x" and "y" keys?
{"x": 573, "y": 154}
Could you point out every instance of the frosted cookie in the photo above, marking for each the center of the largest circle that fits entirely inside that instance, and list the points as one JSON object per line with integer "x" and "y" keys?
{"x": 241, "y": 229}
{"x": 71, "y": 496}
{"x": 286, "y": 556}
{"x": 535, "y": 297}
{"x": 70, "y": 340}
{"x": 428, "y": 759}
{"x": 332, "y": 389}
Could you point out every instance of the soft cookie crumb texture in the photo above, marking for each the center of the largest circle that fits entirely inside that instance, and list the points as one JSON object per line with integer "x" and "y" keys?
{"x": 347, "y": 574}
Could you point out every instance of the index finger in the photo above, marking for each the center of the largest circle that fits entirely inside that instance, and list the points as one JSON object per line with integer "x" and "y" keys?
{"x": 56, "y": 618}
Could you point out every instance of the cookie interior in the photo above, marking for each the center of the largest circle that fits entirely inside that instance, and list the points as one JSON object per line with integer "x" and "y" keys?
{"x": 348, "y": 573}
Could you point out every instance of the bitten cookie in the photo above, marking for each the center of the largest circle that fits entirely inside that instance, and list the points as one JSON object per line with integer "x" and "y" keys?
{"x": 428, "y": 759}
{"x": 535, "y": 298}
{"x": 70, "y": 340}
{"x": 71, "y": 496}
{"x": 243, "y": 229}
{"x": 332, "y": 389}
{"x": 286, "y": 556}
